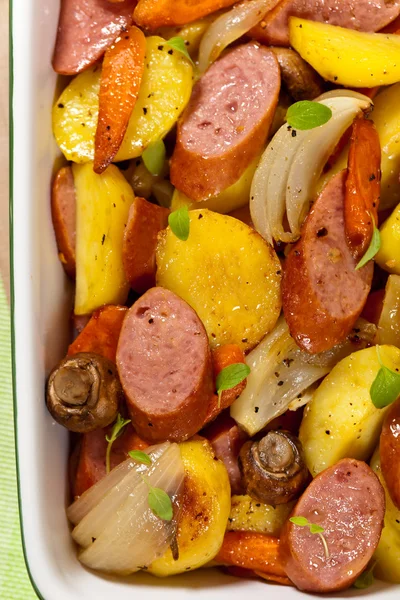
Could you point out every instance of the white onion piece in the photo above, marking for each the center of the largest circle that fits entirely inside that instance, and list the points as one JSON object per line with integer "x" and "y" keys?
{"x": 313, "y": 154}
{"x": 280, "y": 371}
{"x": 95, "y": 521}
{"x": 229, "y": 27}
{"x": 343, "y": 92}
{"x": 133, "y": 537}
{"x": 94, "y": 495}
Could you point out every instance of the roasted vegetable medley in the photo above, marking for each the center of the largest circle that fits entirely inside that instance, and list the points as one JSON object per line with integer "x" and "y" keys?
{"x": 228, "y": 210}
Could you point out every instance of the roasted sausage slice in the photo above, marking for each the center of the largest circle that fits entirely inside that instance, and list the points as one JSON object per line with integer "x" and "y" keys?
{"x": 145, "y": 221}
{"x": 164, "y": 363}
{"x": 323, "y": 294}
{"x": 348, "y": 502}
{"x": 226, "y": 122}
{"x": 85, "y": 29}
{"x": 63, "y": 213}
{"x": 363, "y": 15}
{"x": 390, "y": 452}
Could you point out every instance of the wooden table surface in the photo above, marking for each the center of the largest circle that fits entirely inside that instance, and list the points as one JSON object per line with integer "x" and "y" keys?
{"x": 4, "y": 160}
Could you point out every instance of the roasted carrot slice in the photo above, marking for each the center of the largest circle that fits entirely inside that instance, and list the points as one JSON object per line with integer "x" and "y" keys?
{"x": 152, "y": 14}
{"x": 362, "y": 186}
{"x": 101, "y": 334}
{"x": 250, "y": 550}
{"x": 121, "y": 77}
{"x": 222, "y": 357}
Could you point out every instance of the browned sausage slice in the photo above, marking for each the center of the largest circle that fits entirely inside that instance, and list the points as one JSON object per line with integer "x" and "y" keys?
{"x": 85, "y": 29}
{"x": 362, "y": 15}
{"x": 164, "y": 363}
{"x": 226, "y": 122}
{"x": 348, "y": 502}
{"x": 322, "y": 293}
{"x": 63, "y": 212}
{"x": 145, "y": 221}
{"x": 390, "y": 452}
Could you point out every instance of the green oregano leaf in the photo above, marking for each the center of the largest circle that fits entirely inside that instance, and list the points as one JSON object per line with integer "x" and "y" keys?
{"x": 140, "y": 457}
{"x": 116, "y": 431}
{"x": 307, "y": 114}
{"x": 179, "y": 221}
{"x": 160, "y": 503}
{"x": 178, "y": 44}
{"x": 373, "y": 248}
{"x": 154, "y": 157}
{"x": 314, "y": 528}
{"x": 366, "y": 579}
{"x": 385, "y": 388}
{"x": 231, "y": 376}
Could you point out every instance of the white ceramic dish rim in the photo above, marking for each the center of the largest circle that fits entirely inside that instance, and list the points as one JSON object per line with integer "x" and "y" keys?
{"x": 40, "y": 303}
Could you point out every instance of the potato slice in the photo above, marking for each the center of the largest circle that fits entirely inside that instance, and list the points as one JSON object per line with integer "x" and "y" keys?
{"x": 249, "y": 515}
{"x": 164, "y": 92}
{"x": 234, "y": 197}
{"x": 227, "y": 273}
{"x": 205, "y": 510}
{"x": 345, "y": 56}
{"x": 388, "y": 257}
{"x": 387, "y": 554}
{"x": 341, "y": 421}
{"x": 102, "y": 206}
{"x": 389, "y": 320}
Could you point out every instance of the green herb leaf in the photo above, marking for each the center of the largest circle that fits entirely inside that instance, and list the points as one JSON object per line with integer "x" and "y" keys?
{"x": 373, "y": 248}
{"x": 178, "y": 44}
{"x": 314, "y": 528}
{"x": 140, "y": 457}
{"x": 154, "y": 157}
{"x": 116, "y": 431}
{"x": 385, "y": 388}
{"x": 160, "y": 503}
{"x": 308, "y": 115}
{"x": 366, "y": 579}
{"x": 179, "y": 221}
{"x": 231, "y": 376}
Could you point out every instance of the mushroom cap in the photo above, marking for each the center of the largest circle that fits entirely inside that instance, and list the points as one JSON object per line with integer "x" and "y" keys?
{"x": 273, "y": 469}
{"x": 84, "y": 392}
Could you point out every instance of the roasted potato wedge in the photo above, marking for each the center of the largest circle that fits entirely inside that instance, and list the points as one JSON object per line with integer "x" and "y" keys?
{"x": 227, "y": 273}
{"x": 234, "y": 197}
{"x": 345, "y": 56}
{"x": 389, "y": 320}
{"x": 341, "y": 421}
{"x": 102, "y": 206}
{"x": 387, "y": 554}
{"x": 388, "y": 257}
{"x": 164, "y": 92}
{"x": 205, "y": 510}
{"x": 249, "y": 515}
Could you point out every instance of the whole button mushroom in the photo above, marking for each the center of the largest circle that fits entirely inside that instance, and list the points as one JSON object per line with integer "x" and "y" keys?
{"x": 84, "y": 393}
{"x": 273, "y": 469}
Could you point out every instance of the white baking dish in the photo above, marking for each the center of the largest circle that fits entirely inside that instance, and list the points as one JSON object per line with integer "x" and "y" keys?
{"x": 41, "y": 305}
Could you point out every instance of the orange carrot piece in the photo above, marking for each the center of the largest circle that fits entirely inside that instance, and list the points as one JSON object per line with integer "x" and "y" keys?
{"x": 101, "y": 333}
{"x": 222, "y": 357}
{"x": 121, "y": 77}
{"x": 274, "y": 578}
{"x": 362, "y": 186}
{"x": 152, "y": 14}
{"x": 250, "y": 550}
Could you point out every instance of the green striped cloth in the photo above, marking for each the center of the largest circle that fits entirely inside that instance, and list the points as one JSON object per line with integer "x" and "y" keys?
{"x": 14, "y": 581}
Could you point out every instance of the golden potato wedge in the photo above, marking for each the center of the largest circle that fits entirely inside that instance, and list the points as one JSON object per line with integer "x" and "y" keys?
{"x": 102, "y": 206}
{"x": 205, "y": 510}
{"x": 234, "y": 197}
{"x": 389, "y": 320}
{"x": 164, "y": 92}
{"x": 345, "y": 56}
{"x": 388, "y": 257}
{"x": 341, "y": 421}
{"x": 387, "y": 554}
{"x": 249, "y": 515}
{"x": 227, "y": 273}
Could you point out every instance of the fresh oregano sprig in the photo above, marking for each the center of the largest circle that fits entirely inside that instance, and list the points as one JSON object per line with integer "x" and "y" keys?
{"x": 314, "y": 528}
{"x": 116, "y": 431}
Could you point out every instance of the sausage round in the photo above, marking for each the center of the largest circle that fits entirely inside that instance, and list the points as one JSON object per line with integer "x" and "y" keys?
{"x": 322, "y": 293}
{"x": 145, "y": 221}
{"x": 348, "y": 502}
{"x": 164, "y": 363}
{"x": 362, "y": 15}
{"x": 63, "y": 213}
{"x": 85, "y": 29}
{"x": 226, "y": 122}
{"x": 390, "y": 452}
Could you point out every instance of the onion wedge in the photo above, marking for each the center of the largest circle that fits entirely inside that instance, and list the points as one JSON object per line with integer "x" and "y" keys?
{"x": 231, "y": 26}
{"x": 291, "y": 165}
{"x": 280, "y": 372}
